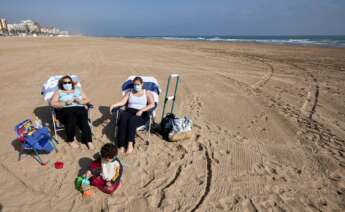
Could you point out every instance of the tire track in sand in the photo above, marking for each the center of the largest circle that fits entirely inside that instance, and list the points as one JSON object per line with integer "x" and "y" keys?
{"x": 258, "y": 84}
{"x": 225, "y": 158}
{"x": 312, "y": 135}
{"x": 208, "y": 181}
{"x": 195, "y": 109}
{"x": 172, "y": 181}
{"x": 265, "y": 78}
{"x": 308, "y": 128}
{"x": 309, "y": 107}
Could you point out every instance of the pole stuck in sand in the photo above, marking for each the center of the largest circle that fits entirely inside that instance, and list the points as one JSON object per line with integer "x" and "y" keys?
{"x": 173, "y": 97}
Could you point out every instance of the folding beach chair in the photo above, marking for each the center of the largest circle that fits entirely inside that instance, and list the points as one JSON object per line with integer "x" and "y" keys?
{"x": 48, "y": 90}
{"x": 33, "y": 139}
{"x": 150, "y": 84}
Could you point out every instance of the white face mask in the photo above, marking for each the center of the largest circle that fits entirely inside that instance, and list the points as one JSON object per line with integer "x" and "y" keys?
{"x": 137, "y": 88}
{"x": 67, "y": 87}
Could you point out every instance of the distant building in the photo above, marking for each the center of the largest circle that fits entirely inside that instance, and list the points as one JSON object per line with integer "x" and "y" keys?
{"x": 18, "y": 28}
{"x": 32, "y": 26}
{"x": 29, "y": 27}
{"x": 3, "y": 26}
{"x": 50, "y": 30}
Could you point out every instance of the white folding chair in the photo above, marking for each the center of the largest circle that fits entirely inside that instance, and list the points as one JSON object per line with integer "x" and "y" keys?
{"x": 151, "y": 85}
{"x": 48, "y": 90}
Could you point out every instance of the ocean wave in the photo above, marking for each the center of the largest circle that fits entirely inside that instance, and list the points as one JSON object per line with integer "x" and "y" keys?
{"x": 338, "y": 41}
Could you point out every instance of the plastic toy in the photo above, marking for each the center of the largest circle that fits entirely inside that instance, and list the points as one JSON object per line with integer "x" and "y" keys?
{"x": 82, "y": 184}
{"x": 58, "y": 164}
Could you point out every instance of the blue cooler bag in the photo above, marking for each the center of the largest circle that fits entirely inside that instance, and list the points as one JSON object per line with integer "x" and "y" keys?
{"x": 40, "y": 140}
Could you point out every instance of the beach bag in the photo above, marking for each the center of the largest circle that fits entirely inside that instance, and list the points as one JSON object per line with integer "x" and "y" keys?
{"x": 39, "y": 140}
{"x": 166, "y": 125}
{"x": 176, "y": 129}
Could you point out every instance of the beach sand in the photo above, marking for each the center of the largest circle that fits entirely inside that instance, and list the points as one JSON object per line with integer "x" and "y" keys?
{"x": 269, "y": 126}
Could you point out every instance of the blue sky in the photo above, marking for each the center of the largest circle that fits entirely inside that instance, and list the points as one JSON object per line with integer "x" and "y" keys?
{"x": 183, "y": 17}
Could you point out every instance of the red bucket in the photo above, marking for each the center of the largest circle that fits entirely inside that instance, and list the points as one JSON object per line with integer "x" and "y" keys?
{"x": 58, "y": 165}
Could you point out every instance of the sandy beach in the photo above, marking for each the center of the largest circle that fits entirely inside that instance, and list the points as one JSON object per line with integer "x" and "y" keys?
{"x": 269, "y": 126}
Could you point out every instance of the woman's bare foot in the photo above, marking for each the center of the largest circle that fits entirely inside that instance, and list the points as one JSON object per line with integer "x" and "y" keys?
{"x": 121, "y": 150}
{"x": 90, "y": 146}
{"x": 74, "y": 145}
{"x": 130, "y": 148}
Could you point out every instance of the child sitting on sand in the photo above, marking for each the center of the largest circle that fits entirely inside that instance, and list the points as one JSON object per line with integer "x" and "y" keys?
{"x": 105, "y": 173}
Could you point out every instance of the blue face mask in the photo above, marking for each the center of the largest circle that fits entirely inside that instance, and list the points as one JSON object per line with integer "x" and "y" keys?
{"x": 67, "y": 87}
{"x": 137, "y": 88}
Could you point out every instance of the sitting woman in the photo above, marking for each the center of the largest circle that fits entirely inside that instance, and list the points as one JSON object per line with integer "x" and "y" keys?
{"x": 70, "y": 102}
{"x": 138, "y": 101}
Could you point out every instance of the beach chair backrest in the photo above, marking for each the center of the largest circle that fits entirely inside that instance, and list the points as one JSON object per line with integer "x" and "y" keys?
{"x": 150, "y": 83}
{"x": 51, "y": 85}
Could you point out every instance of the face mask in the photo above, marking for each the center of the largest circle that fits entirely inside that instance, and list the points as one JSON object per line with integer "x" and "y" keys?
{"x": 67, "y": 87}
{"x": 137, "y": 88}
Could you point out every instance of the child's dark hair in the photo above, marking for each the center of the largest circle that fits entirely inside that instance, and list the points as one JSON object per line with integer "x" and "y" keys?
{"x": 108, "y": 151}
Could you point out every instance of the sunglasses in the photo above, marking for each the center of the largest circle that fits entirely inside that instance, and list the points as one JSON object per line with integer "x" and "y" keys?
{"x": 69, "y": 82}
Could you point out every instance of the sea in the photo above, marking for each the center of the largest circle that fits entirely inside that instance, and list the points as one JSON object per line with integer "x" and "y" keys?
{"x": 307, "y": 40}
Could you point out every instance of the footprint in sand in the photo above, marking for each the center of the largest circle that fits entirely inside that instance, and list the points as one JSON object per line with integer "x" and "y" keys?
{"x": 248, "y": 206}
{"x": 228, "y": 203}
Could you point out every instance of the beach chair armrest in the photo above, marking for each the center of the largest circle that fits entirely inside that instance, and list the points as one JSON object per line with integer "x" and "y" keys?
{"x": 115, "y": 109}
{"x": 90, "y": 106}
{"x": 150, "y": 112}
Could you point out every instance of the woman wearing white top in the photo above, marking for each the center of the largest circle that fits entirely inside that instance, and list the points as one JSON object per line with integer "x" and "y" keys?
{"x": 138, "y": 101}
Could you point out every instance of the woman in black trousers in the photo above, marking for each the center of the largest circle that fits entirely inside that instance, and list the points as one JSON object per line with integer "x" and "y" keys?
{"x": 69, "y": 105}
{"x": 138, "y": 101}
